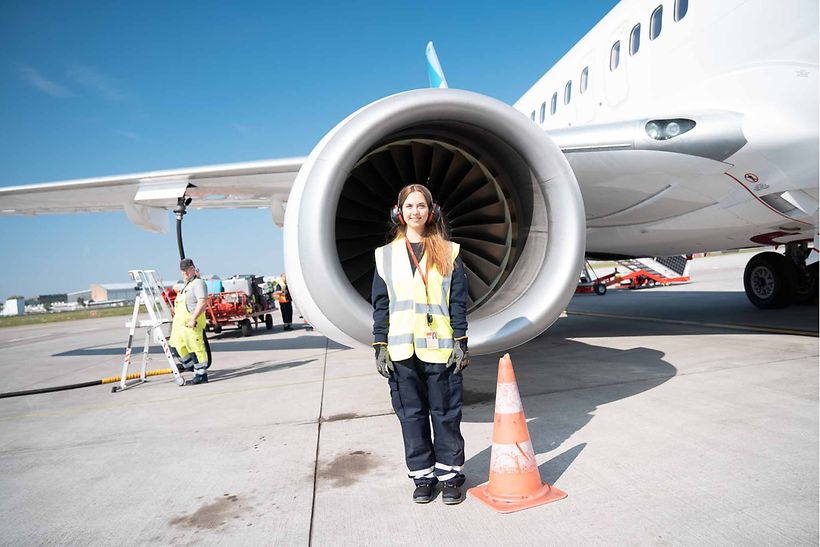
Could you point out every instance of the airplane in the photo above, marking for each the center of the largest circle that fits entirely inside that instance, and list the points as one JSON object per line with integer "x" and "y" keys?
{"x": 672, "y": 127}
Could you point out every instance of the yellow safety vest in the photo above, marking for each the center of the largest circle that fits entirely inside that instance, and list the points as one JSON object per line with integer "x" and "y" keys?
{"x": 185, "y": 339}
{"x": 407, "y": 333}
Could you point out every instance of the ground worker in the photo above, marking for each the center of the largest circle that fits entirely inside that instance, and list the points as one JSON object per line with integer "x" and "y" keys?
{"x": 189, "y": 323}
{"x": 420, "y": 339}
{"x": 282, "y": 294}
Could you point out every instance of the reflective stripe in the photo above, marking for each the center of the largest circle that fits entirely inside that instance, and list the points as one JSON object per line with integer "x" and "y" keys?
{"x": 401, "y": 339}
{"x": 507, "y": 399}
{"x": 443, "y": 343}
{"x": 435, "y": 309}
{"x": 513, "y": 458}
{"x": 445, "y": 294}
{"x": 446, "y": 467}
{"x": 421, "y": 473}
{"x": 387, "y": 269}
{"x": 403, "y": 305}
{"x": 446, "y": 472}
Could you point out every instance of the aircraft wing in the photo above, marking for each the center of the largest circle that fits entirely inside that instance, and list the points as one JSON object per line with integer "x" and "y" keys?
{"x": 145, "y": 197}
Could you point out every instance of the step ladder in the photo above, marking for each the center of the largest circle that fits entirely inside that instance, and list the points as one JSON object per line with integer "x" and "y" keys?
{"x": 159, "y": 313}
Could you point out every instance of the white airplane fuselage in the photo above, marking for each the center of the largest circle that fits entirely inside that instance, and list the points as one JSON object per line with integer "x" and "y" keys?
{"x": 744, "y": 71}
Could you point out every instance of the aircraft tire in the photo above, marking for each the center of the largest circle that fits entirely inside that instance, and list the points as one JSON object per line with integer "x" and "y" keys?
{"x": 805, "y": 283}
{"x": 768, "y": 281}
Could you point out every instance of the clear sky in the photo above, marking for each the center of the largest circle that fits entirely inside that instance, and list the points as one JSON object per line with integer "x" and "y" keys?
{"x": 101, "y": 88}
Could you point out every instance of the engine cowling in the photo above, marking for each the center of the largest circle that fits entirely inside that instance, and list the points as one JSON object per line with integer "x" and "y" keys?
{"x": 508, "y": 194}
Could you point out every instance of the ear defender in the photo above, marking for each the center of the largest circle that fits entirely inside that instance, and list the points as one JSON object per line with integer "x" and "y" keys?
{"x": 435, "y": 213}
{"x": 395, "y": 216}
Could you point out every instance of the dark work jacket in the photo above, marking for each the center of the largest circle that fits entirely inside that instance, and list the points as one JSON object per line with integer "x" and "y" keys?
{"x": 458, "y": 299}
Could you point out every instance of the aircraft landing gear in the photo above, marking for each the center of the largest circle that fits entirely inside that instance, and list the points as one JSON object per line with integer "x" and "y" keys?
{"x": 773, "y": 280}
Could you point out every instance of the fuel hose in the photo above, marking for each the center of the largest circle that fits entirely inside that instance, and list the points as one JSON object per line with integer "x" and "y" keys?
{"x": 109, "y": 380}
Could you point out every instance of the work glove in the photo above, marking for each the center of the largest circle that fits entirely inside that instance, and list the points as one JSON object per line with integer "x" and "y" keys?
{"x": 460, "y": 357}
{"x": 383, "y": 363}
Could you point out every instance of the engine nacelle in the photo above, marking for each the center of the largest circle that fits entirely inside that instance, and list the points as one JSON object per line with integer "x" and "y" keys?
{"x": 508, "y": 194}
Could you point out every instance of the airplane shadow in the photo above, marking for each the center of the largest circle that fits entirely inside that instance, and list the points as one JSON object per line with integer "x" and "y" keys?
{"x": 697, "y": 308}
{"x": 562, "y": 382}
{"x": 220, "y": 374}
{"x": 221, "y": 342}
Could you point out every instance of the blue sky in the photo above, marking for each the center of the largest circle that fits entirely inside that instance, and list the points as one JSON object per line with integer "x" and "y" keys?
{"x": 100, "y": 88}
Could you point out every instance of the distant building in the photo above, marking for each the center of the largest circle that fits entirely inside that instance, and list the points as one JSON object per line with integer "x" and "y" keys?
{"x": 14, "y": 306}
{"x": 76, "y": 295}
{"x": 114, "y": 291}
{"x": 48, "y": 299}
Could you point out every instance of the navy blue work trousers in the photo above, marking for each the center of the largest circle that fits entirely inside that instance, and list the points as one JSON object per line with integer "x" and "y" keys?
{"x": 424, "y": 393}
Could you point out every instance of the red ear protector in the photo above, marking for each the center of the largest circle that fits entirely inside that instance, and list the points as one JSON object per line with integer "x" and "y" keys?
{"x": 433, "y": 216}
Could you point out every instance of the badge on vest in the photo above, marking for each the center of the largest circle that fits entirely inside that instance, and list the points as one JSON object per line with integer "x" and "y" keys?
{"x": 432, "y": 340}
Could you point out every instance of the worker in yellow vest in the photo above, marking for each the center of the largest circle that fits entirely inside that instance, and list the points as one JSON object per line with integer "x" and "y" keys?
{"x": 189, "y": 323}
{"x": 419, "y": 300}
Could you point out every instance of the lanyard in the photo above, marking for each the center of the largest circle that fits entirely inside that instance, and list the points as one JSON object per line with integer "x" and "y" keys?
{"x": 423, "y": 278}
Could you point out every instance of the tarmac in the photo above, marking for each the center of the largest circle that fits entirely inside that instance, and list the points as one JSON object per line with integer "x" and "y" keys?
{"x": 673, "y": 415}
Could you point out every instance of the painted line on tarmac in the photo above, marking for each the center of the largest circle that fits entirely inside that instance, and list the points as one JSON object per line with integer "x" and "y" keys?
{"x": 727, "y": 326}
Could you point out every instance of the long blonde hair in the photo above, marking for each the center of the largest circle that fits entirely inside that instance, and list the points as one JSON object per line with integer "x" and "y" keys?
{"x": 435, "y": 238}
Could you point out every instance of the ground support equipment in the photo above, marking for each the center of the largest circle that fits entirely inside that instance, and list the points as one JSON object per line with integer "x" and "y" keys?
{"x": 640, "y": 272}
{"x": 151, "y": 295}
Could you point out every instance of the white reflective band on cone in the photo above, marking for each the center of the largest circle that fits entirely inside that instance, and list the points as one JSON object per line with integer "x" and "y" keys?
{"x": 507, "y": 399}
{"x": 513, "y": 458}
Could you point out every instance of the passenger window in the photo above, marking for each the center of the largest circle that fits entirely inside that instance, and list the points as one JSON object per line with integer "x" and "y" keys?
{"x": 681, "y": 7}
{"x": 543, "y": 111}
{"x": 584, "y": 78}
{"x": 635, "y": 39}
{"x": 568, "y": 92}
{"x": 655, "y": 23}
{"x": 532, "y": 116}
{"x": 615, "y": 55}
{"x": 553, "y": 103}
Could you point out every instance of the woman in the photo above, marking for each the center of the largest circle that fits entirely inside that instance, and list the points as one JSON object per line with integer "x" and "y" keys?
{"x": 420, "y": 338}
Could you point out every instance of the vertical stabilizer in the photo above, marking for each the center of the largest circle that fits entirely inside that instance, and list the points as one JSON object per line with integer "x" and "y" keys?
{"x": 434, "y": 69}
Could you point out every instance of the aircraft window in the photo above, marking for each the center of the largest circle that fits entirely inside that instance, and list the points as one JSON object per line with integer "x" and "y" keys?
{"x": 543, "y": 111}
{"x": 681, "y": 7}
{"x": 615, "y": 55}
{"x": 584, "y": 78}
{"x": 635, "y": 40}
{"x": 553, "y": 103}
{"x": 568, "y": 92}
{"x": 655, "y": 23}
{"x": 532, "y": 116}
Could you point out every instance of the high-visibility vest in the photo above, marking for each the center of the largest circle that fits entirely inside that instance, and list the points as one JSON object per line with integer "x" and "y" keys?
{"x": 407, "y": 333}
{"x": 183, "y": 337}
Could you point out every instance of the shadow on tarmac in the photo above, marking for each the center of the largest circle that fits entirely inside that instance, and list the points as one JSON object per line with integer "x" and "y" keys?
{"x": 222, "y": 342}
{"x": 261, "y": 367}
{"x": 716, "y": 307}
{"x": 590, "y": 376}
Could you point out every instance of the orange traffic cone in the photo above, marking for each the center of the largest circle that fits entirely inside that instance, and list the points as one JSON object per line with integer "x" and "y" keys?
{"x": 515, "y": 482}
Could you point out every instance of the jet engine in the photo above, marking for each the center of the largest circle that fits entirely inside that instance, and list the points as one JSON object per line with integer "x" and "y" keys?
{"x": 508, "y": 194}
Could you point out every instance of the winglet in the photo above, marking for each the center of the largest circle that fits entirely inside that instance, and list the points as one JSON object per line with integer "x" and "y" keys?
{"x": 434, "y": 70}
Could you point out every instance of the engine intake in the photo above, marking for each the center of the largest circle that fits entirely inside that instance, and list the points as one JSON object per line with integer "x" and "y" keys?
{"x": 508, "y": 194}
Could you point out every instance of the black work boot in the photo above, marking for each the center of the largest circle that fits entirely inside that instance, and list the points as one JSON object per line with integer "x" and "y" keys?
{"x": 198, "y": 379}
{"x": 451, "y": 494}
{"x": 423, "y": 493}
